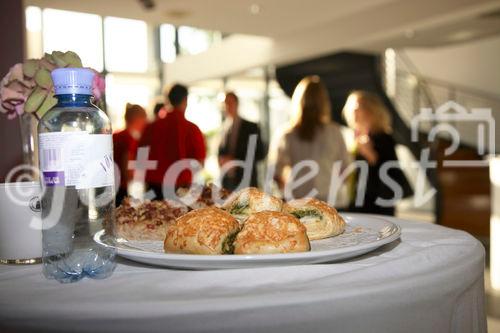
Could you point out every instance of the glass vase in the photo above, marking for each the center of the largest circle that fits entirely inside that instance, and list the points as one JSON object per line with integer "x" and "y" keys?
{"x": 28, "y": 126}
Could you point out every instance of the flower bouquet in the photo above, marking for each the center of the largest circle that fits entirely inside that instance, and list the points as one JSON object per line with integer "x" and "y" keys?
{"x": 27, "y": 92}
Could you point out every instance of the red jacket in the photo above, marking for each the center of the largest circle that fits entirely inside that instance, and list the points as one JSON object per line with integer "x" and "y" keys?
{"x": 171, "y": 139}
{"x": 124, "y": 150}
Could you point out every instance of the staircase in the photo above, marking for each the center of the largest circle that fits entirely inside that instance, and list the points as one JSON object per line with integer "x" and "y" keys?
{"x": 463, "y": 197}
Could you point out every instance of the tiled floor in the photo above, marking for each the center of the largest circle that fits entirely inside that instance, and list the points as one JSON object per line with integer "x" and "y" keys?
{"x": 493, "y": 325}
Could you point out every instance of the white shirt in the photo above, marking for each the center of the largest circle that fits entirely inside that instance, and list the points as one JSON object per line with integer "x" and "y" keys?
{"x": 325, "y": 149}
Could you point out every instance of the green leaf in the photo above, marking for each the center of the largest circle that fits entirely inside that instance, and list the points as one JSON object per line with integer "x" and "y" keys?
{"x": 58, "y": 57}
{"x": 49, "y": 102}
{"x": 30, "y": 67}
{"x": 72, "y": 59}
{"x": 43, "y": 78}
{"x": 44, "y": 63}
{"x": 49, "y": 58}
{"x": 35, "y": 100}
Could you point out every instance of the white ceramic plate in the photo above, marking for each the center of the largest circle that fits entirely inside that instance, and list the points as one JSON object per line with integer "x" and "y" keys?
{"x": 363, "y": 234}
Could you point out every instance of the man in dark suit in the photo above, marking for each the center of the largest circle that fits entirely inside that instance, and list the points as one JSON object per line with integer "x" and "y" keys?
{"x": 236, "y": 138}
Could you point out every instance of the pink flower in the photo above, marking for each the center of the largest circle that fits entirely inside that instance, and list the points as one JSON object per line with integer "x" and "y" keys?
{"x": 14, "y": 89}
{"x": 98, "y": 86}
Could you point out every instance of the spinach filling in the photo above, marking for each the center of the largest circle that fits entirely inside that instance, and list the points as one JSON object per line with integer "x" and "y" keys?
{"x": 228, "y": 245}
{"x": 300, "y": 213}
{"x": 239, "y": 208}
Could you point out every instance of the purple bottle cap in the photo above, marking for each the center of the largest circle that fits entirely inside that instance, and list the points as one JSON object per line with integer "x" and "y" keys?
{"x": 72, "y": 81}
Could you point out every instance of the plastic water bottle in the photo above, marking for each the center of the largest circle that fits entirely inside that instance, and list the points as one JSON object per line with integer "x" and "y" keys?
{"x": 76, "y": 164}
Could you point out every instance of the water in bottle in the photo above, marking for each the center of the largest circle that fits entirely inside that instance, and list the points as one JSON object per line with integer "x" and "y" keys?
{"x": 76, "y": 165}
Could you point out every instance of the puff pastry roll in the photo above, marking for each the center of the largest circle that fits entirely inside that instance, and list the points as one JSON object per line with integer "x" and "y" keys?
{"x": 320, "y": 220}
{"x": 271, "y": 232}
{"x": 208, "y": 230}
{"x": 251, "y": 200}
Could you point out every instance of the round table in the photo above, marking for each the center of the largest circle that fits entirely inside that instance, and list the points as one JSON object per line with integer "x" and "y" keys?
{"x": 429, "y": 281}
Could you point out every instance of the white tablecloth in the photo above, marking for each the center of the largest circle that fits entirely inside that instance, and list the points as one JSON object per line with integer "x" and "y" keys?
{"x": 430, "y": 281}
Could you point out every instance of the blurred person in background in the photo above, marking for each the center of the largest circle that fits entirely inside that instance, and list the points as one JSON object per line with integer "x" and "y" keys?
{"x": 367, "y": 115}
{"x": 125, "y": 144}
{"x": 312, "y": 136}
{"x": 234, "y": 144}
{"x": 172, "y": 139}
{"x": 159, "y": 110}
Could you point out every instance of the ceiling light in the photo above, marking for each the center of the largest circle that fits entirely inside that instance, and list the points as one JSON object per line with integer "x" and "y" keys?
{"x": 255, "y": 9}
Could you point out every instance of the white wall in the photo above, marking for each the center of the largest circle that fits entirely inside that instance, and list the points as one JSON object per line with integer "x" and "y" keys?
{"x": 234, "y": 54}
{"x": 473, "y": 64}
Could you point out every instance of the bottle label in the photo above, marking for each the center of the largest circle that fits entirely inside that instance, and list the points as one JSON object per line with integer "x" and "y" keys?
{"x": 76, "y": 159}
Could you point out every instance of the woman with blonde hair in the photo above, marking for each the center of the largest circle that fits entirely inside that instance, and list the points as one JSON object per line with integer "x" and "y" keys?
{"x": 367, "y": 115}
{"x": 311, "y": 137}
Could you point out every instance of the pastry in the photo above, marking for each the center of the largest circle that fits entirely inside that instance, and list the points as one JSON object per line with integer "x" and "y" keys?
{"x": 271, "y": 232}
{"x": 208, "y": 230}
{"x": 250, "y": 200}
{"x": 147, "y": 220}
{"x": 320, "y": 220}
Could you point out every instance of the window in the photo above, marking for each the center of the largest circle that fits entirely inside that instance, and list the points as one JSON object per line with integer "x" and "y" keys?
{"x": 79, "y": 32}
{"x": 280, "y": 110}
{"x": 126, "y": 43}
{"x": 167, "y": 43}
{"x": 203, "y": 105}
{"x": 33, "y": 19}
{"x": 204, "y": 109}
{"x": 125, "y": 48}
{"x": 250, "y": 89}
{"x": 194, "y": 41}
{"x": 34, "y": 47}
{"x": 128, "y": 88}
